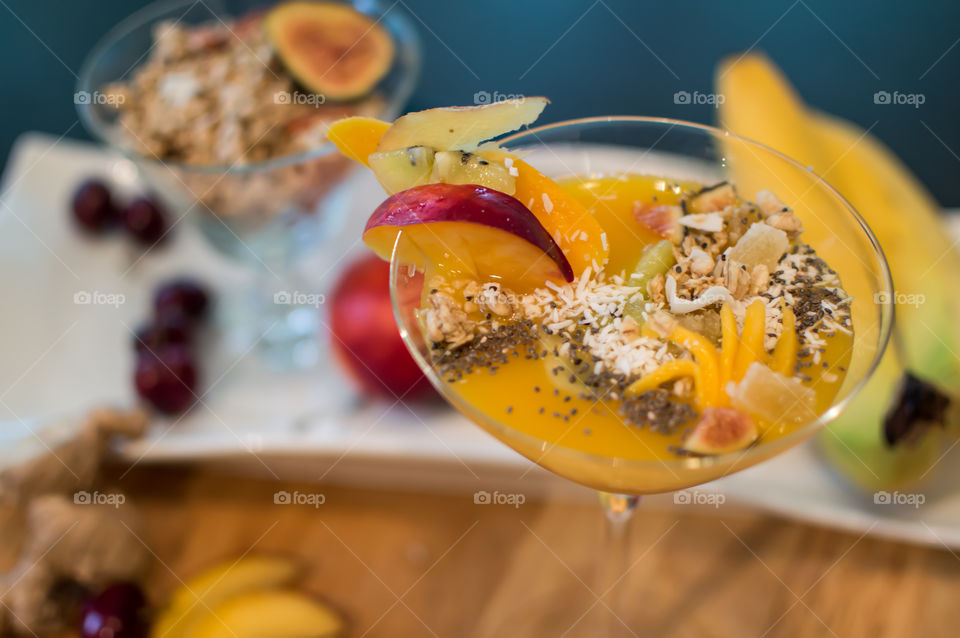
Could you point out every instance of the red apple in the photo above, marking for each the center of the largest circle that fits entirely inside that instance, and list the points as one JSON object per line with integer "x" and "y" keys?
{"x": 366, "y": 339}
{"x": 470, "y": 230}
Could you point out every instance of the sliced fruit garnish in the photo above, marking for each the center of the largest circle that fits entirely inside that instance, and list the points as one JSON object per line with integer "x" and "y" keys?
{"x": 579, "y": 235}
{"x": 721, "y": 431}
{"x": 399, "y": 170}
{"x": 461, "y": 128}
{"x": 466, "y": 230}
{"x": 329, "y": 47}
{"x": 446, "y": 136}
{"x": 778, "y": 400}
{"x": 357, "y": 137}
{"x": 269, "y": 614}
{"x": 458, "y": 167}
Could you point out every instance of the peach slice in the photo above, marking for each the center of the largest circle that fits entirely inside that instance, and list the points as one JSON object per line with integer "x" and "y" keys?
{"x": 573, "y": 228}
{"x": 460, "y": 128}
{"x": 465, "y": 230}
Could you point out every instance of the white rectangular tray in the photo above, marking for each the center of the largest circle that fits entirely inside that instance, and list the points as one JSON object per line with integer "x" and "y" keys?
{"x": 61, "y": 357}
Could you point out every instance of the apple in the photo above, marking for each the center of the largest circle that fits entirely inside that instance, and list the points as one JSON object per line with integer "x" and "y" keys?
{"x": 460, "y": 128}
{"x": 470, "y": 231}
{"x": 366, "y": 339}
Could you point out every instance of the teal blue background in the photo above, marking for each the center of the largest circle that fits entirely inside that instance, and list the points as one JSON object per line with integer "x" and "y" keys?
{"x": 593, "y": 58}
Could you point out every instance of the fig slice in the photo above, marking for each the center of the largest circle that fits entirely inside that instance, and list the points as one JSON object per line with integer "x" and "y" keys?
{"x": 330, "y": 47}
{"x": 720, "y": 431}
{"x": 461, "y": 128}
{"x": 662, "y": 219}
{"x": 470, "y": 231}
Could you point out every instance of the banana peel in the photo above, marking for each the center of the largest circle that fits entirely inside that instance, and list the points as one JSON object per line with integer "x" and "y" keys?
{"x": 883, "y": 440}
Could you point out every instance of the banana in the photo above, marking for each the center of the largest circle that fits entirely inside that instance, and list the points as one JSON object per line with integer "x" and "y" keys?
{"x": 883, "y": 439}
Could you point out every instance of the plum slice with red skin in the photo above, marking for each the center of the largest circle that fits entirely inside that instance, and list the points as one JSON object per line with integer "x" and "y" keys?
{"x": 470, "y": 228}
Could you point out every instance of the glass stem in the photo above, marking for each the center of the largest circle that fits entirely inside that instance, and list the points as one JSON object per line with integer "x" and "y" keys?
{"x": 618, "y": 512}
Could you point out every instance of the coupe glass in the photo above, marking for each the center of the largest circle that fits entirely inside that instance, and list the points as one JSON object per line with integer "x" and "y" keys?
{"x": 268, "y": 214}
{"x": 682, "y": 151}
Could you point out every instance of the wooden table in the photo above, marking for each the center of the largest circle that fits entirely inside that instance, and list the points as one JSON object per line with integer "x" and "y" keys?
{"x": 428, "y": 565}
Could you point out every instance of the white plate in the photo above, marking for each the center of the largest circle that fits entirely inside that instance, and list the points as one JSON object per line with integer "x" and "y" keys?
{"x": 61, "y": 357}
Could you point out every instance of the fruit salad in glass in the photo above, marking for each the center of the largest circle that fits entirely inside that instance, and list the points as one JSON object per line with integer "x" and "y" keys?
{"x": 636, "y": 331}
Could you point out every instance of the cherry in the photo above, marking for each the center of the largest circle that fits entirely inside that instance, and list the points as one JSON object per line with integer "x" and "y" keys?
{"x": 181, "y": 296}
{"x": 145, "y": 220}
{"x": 119, "y": 611}
{"x": 168, "y": 328}
{"x": 167, "y": 377}
{"x": 93, "y": 208}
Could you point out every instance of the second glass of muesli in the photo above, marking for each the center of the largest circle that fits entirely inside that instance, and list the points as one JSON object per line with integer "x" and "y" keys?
{"x": 223, "y": 107}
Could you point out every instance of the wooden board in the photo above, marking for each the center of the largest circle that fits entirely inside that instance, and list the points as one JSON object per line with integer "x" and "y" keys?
{"x": 427, "y": 565}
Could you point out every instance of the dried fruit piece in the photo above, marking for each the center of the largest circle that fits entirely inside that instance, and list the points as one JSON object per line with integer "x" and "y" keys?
{"x": 776, "y": 399}
{"x": 761, "y": 244}
{"x": 721, "y": 431}
{"x": 330, "y": 47}
{"x": 711, "y": 198}
{"x": 460, "y": 128}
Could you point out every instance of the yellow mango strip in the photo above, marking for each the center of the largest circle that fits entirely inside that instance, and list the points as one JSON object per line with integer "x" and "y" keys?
{"x": 357, "y": 137}
{"x": 785, "y": 352}
{"x": 751, "y": 341}
{"x": 667, "y": 372}
{"x": 730, "y": 339}
{"x": 708, "y": 390}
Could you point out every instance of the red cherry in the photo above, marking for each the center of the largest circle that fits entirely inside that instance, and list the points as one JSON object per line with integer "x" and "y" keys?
{"x": 165, "y": 329}
{"x": 181, "y": 295}
{"x": 145, "y": 220}
{"x": 93, "y": 208}
{"x": 119, "y": 611}
{"x": 167, "y": 378}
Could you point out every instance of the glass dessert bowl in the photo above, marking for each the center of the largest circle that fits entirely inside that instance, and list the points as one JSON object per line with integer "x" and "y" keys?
{"x": 631, "y": 175}
{"x": 203, "y": 99}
